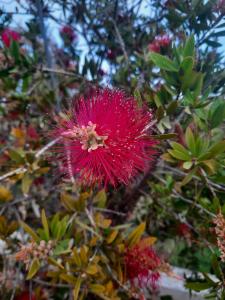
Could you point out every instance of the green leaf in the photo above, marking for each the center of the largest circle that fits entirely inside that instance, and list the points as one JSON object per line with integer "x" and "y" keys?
{"x": 137, "y": 96}
{"x": 55, "y": 263}
{"x": 68, "y": 278}
{"x": 26, "y": 183}
{"x": 218, "y": 148}
{"x": 136, "y": 234}
{"x": 198, "y": 286}
{"x": 187, "y": 165}
{"x": 15, "y": 51}
{"x": 165, "y": 136}
{"x": 218, "y": 115}
{"x": 45, "y": 224}
{"x": 30, "y": 231}
{"x": 163, "y": 62}
{"x": 171, "y": 107}
{"x": 179, "y": 147}
{"x": 77, "y": 288}
{"x": 216, "y": 267}
{"x": 190, "y": 140}
{"x": 179, "y": 155}
{"x": 34, "y": 267}
{"x": 16, "y": 156}
{"x": 100, "y": 199}
{"x": 189, "y": 48}
{"x": 188, "y": 177}
{"x": 62, "y": 247}
{"x": 187, "y": 65}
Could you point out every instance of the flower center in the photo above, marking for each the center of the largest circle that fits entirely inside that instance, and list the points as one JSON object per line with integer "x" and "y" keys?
{"x": 87, "y": 136}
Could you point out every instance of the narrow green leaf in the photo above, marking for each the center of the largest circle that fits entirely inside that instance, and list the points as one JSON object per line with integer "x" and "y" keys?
{"x": 16, "y": 156}
{"x": 34, "y": 267}
{"x": 45, "y": 223}
{"x": 218, "y": 148}
{"x": 179, "y": 155}
{"x": 188, "y": 177}
{"x": 30, "y": 231}
{"x": 136, "y": 234}
{"x": 190, "y": 140}
{"x": 26, "y": 183}
{"x": 187, "y": 165}
{"x": 198, "y": 286}
{"x": 189, "y": 48}
{"x": 77, "y": 288}
{"x": 165, "y": 136}
{"x": 163, "y": 62}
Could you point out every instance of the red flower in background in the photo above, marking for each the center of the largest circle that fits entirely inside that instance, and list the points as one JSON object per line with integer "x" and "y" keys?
{"x": 221, "y": 6}
{"x": 8, "y": 36}
{"x": 142, "y": 263}
{"x": 107, "y": 137}
{"x": 183, "y": 230}
{"x": 67, "y": 32}
{"x": 160, "y": 41}
{"x": 32, "y": 133}
{"x": 25, "y": 296}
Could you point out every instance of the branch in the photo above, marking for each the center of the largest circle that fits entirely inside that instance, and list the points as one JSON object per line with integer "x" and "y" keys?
{"x": 37, "y": 155}
{"x": 122, "y": 44}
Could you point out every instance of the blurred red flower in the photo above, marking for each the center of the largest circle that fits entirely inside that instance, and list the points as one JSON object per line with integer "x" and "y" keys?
{"x": 8, "y": 36}
{"x": 183, "y": 230}
{"x": 108, "y": 139}
{"x": 67, "y": 32}
{"x": 160, "y": 41}
{"x": 25, "y": 296}
{"x": 142, "y": 263}
{"x": 32, "y": 133}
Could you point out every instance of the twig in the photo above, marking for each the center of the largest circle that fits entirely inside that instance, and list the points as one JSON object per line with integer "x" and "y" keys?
{"x": 177, "y": 195}
{"x": 56, "y": 285}
{"x": 46, "y": 147}
{"x": 69, "y": 165}
{"x": 181, "y": 173}
{"x": 111, "y": 211}
{"x": 13, "y": 172}
{"x": 122, "y": 44}
{"x": 90, "y": 218}
{"x": 37, "y": 155}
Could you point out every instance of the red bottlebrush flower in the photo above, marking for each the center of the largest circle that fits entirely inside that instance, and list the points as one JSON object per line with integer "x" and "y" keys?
{"x": 107, "y": 139}
{"x": 183, "y": 230}
{"x": 154, "y": 47}
{"x": 163, "y": 40}
{"x": 68, "y": 33}
{"x": 160, "y": 41}
{"x": 142, "y": 263}
{"x": 32, "y": 133}
{"x": 8, "y": 36}
{"x": 25, "y": 296}
{"x": 111, "y": 54}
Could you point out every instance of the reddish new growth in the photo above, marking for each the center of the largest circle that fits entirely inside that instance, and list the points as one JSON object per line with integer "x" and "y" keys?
{"x": 8, "y": 36}
{"x": 219, "y": 221}
{"x": 142, "y": 263}
{"x": 68, "y": 33}
{"x": 107, "y": 139}
{"x": 160, "y": 42}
